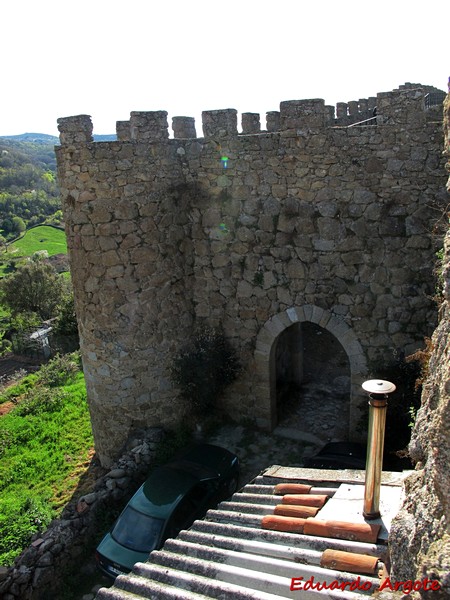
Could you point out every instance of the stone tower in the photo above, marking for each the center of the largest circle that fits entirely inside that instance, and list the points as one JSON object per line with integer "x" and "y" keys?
{"x": 320, "y": 223}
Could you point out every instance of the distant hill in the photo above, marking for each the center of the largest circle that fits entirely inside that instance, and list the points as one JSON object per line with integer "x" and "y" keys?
{"x": 108, "y": 137}
{"x": 37, "y": 138}
{"x": 44, "y": 138}
{"x": 29, "y": 192}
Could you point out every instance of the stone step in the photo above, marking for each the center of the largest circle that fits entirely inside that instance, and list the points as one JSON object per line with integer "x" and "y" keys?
{"x": 238, "y": 532}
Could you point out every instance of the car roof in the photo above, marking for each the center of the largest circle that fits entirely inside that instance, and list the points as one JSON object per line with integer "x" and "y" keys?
{"x": 168, "y": 484}
{"x": 209, "y": 456}
{"x": 163, "y": 490}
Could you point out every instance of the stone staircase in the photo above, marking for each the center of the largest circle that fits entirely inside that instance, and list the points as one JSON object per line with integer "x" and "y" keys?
{"x": 248, "y": 549}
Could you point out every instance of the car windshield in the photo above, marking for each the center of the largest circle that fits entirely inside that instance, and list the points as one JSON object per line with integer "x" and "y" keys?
{"x": 137, "y": 531}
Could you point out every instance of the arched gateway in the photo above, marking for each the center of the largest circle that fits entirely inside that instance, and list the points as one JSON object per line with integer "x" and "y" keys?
{"x": 267, "y": 359}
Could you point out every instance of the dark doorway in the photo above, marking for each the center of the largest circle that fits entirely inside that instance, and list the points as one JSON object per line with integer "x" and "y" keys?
{"x": 312, "y": 381}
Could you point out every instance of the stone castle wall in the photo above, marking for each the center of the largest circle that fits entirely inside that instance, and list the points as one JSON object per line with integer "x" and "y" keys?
{"x": 308, "y": 221}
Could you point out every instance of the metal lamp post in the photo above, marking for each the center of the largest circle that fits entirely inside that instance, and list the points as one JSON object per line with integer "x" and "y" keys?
{"x": 378, "y": 394}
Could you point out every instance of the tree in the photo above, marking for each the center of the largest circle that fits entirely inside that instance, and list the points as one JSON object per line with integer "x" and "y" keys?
{"x": 34, "y": 287}
{"x": 7, "y": 225}
{"x": 66, "y": 321}
{"x": 18, "y": 224}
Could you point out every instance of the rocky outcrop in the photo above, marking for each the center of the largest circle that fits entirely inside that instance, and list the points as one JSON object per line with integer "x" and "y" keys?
{"x": 420, "y": 536}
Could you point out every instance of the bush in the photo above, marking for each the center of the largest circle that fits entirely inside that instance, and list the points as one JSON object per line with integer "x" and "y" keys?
{"x": 6, "y": 440}
{"x": 40, "y": 400}
{"x": 66, "y": 320}
{"x": 24, "y": 322}
{"x": 5, "y": 347}
{"x": 20, "y": 519}
{"x": 59, "y": 370}
{"x": 34, "y": 287}
{"x": 204, "y": 368}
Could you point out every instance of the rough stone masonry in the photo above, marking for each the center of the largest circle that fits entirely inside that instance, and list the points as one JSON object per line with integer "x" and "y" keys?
{"x": 420, "y": 533}
{"x": 324, "y": 220}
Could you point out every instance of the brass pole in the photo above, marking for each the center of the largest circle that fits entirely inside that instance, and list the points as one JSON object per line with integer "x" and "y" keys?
{"x": 375, "y": 445}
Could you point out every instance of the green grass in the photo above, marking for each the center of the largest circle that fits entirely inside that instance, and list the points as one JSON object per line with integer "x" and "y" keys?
{"x": 45, "y": 447}
{"x": 39, "y": 238}
{"x": 20, "y": 389}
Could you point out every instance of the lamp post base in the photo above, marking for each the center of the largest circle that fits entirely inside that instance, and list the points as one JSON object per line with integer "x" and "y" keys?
{"x": 371, "y": 516}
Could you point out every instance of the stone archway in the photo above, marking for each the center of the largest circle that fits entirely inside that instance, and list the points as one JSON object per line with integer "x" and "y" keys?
{"x": 266, "y": 359}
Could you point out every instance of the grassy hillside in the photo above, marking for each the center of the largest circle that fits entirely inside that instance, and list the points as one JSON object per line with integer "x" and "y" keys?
{"x": 45, "y": 446}
{"x": 36, "y": 138}
{"x": 43, "y": 237}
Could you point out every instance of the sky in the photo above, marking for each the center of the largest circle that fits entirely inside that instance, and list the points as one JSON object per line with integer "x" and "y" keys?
{"x": 106, "y": 58}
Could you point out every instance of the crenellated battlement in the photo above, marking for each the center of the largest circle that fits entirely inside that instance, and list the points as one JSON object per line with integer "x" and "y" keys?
{"x": 305, "y": 115}
{"x": 324, "y": 218}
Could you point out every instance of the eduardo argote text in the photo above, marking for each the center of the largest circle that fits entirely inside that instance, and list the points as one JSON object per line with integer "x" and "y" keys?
{"x": 358, "y": 584}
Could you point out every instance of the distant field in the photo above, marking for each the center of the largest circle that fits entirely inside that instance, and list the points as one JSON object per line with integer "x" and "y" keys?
{"x": 39, "y": 238}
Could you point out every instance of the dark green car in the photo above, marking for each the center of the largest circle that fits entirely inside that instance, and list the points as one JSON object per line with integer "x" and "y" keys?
{"x": 170, "y": 500}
